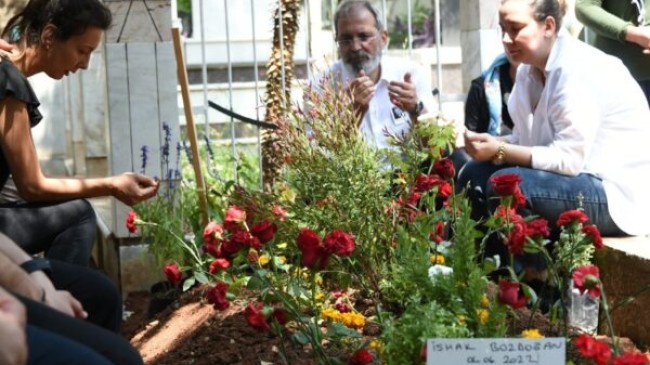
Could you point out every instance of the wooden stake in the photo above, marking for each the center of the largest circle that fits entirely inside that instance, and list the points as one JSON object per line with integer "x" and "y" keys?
{"x": 191, "y": 130}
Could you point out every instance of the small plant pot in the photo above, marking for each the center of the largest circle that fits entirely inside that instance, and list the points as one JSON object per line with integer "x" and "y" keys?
{"x": 163, "y": 294}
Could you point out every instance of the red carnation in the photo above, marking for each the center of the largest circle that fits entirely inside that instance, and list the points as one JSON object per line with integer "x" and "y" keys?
{"x": 361, "y": 357}
{"x": 438, "y": 235}
{"x": 587, "y": 278}
{"x": 219, "y": 264}
{"x": 509, "y": 294}
{"x": 571, "y": 216}
{"x": 280, "y": 315}
{"x": 279, "y": 212}
{"x": 212, "y": 233}
{"x": 594, "y": 234}
{"x": 339, "y": 243}
{"x": 264, "y": 230}
{"x": 214, "y": 249}
{"x": 342, "y": 307}
{"x": 517, "y": 238}
{"x": 234, "y": 216}
{"x": 537, "y": 227}
{"x": 424, "y": 183}
{"x": 445, "y": 168}
{"x": 173, "y": 273}
{"x": 630, "y": 358}
{"x": 599, "y": 351}
{"x": 131, "y": 217}
{"x": 444, "y": 189}
{"x": 506, "y": 184}
{"x": 255, "y": 317}
{"x": 244, "y": 238}
{"x": 217, "y": 296}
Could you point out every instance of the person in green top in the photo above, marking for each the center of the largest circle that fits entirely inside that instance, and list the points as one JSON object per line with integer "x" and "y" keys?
{"x": 622, "y": 29}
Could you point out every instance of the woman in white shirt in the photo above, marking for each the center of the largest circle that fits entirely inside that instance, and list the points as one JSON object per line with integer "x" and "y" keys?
{"x": 581, "y": 125}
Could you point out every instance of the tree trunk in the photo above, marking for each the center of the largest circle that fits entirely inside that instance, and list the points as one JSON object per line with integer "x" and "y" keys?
{"x": 278, "y": 95}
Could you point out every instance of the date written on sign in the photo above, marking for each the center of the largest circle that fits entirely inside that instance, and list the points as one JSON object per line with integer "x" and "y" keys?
{"x": 497, "y": 351}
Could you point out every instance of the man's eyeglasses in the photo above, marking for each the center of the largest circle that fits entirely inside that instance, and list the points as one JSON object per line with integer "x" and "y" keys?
{"x": 364, "y": 39}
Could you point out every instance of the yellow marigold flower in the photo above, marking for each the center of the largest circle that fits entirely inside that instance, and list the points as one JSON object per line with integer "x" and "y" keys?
{"x": 263, "y": 260}
{"x": 483, "y": 316}
{"x": 376, "y": 345}
{"x": 531, "y": 333}
{"x": 437, "y": 259}
{"x": 319, "y": 296}
{"x": 353, "y": 320}
{"x": 331, "y": 314}
{"x": 461, "y": 319}
{"x": 485, "y": 302}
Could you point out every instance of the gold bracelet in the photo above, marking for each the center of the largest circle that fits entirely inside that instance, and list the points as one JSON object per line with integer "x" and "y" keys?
{"x": 500, "y": 157}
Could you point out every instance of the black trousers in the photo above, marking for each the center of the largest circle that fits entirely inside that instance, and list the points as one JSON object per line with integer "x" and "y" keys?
{"x": 100, "y": 299}
{"x": 65, "y": 231}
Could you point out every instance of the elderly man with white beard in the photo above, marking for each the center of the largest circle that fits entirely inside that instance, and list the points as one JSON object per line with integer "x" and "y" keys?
{"x": 388, "y": 94}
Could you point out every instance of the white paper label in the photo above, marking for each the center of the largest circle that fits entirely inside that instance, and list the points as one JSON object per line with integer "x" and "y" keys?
{"x": 497, "y": 351}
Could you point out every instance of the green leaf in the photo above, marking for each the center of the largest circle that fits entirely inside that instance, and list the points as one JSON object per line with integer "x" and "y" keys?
{"x": 300, "y": 338}
{"x": 256, "y": 283}
{"x": 188, "y": 283}
{"x": 336, "y": 330}
{"x": 201, "y": 277}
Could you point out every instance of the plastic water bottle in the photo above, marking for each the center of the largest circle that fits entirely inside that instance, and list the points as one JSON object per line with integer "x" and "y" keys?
{"x": 582, "y": 310}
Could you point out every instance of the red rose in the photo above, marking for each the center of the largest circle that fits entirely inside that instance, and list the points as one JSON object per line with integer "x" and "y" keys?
{"x": 506, "y": 184}
{"x": 229, "y": 248}
{"x": 219, "y": 264}
{"x": 508, "y": 214}
{"x": 234, "y": 216}
{"x": 571, "y": 216}
{"x": 587, "y": 278}
{"x": 594, "y": 234}
{"x": 131, "y": 217}
{"x": 212, "y": 233}
{"x": 630, "y": 358}
{"x": 509, "y": 294}
{"x": 244, "y": 238}
{"x": 537, "y": 227}
{"x": 217, "y": 296}
{"x": 313, "y": 254}
{"x": 361, "y": 357}
{"x": 519, "y": 199}
{"x": 173, "y": 273}
{"x": 445, "y": 168}
{"x": 279, "y": 212}
{"x": 255, "y": 317}
{"x": 264, "y": 230}
{"x": 339, "y": 243}
{"x": 599, "y": 351}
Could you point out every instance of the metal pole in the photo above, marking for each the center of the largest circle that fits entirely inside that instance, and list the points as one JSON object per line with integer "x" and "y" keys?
{"x": 438, "y": 46}
{"x": 257, "y": 96}
{"x": 204, "y": 70}
{"x": 233, "y": 137}
{"x": 410, "y": 26}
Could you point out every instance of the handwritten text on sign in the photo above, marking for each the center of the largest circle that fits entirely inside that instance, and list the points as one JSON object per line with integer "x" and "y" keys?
{"x": 496, "y": 351}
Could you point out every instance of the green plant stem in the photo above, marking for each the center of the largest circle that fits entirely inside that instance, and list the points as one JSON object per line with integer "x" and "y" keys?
{"x": 603, "y": 298}
{"x": 192, "y": 252}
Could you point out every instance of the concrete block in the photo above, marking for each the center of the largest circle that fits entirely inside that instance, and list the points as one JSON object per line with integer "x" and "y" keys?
{"x": 625, "y": 271}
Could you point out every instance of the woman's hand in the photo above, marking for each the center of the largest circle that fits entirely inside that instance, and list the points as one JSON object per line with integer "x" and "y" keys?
{"x": 60, "y": 300}
{"x": 480, "y": 146}
{"x": 131, "y": 188}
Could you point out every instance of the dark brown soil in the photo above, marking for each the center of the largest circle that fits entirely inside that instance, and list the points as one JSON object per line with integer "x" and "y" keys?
{"x": 190, "y": 331}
